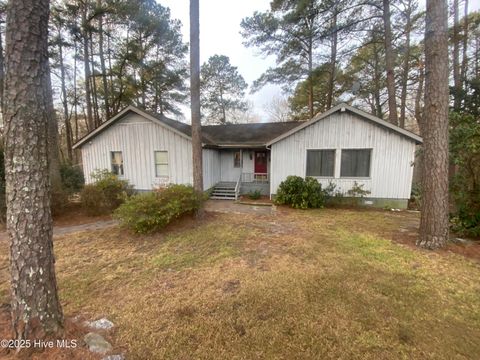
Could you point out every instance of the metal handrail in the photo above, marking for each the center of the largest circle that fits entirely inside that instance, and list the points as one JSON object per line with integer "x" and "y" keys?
{"x": 237, "y": 187}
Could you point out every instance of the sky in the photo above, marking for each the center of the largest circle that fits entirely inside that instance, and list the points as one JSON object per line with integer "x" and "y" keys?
{"x": 220, "y": 34}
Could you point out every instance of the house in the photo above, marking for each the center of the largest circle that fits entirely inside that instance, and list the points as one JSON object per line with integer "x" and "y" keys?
{"x": 343, "y": 146}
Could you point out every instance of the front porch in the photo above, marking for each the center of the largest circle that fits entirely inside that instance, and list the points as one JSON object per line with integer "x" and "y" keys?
{"x": 243, "y": 171}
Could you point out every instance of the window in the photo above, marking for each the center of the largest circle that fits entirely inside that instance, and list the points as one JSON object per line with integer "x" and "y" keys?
{"x": 356, "y": 163}
{"x": 161, "y": 163}
{"x": 117, "y": 162}
{"x": 320, "y": 162}
{"x": 237, "y": 159}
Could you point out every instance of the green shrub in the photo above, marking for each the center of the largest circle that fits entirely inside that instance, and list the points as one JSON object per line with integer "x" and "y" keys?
{"x": 106, "y": 194}
{"x": 466, "y": 219}
{"x": 357, "y": 190}
{"x": 255, "y": 195}
{"x": 152, "y": 211}
{"x": 415, "y": 201}
{"x": 301, "y": 193}
{"x": 72, "y": 178}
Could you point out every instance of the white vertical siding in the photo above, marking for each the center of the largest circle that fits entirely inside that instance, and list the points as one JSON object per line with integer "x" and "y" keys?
{"x": 211, "y": 168}
{"x": 391, "y": 162}
{"x": 227, "y": 171}
{"x": 137, "y": 138}
{"x": 231, "y": 173}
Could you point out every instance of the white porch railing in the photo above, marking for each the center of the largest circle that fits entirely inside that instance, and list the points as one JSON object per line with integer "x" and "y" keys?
{"x": 255, "y": 177}
{"x": 237, "y": 187}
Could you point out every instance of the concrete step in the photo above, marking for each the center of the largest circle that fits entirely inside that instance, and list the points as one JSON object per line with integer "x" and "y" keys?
{"x": 222, "y": 197}
{"x": 224, "y": 191}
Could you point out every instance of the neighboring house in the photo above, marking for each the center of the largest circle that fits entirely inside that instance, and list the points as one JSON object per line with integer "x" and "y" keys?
{"x": 343, "y": 145}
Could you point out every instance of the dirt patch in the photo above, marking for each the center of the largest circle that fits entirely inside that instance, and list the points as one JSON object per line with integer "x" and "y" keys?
{"x": 407, "y": 234}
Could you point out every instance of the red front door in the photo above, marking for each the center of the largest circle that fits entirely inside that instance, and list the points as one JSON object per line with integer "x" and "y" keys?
{"x": 260, "y": 162}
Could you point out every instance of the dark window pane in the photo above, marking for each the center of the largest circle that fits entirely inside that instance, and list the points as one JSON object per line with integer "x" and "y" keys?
{"x": 237, "y": 160}
{"x": 117, "y": 163}
{"x": 356, "y": 163}
{"x": 320, "y": 162}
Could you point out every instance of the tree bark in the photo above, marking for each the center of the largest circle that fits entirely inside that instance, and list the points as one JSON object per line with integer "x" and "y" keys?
{"x": 2, "y": 75}
{"x": 310, "y": 80}
{"x": 93, "y": 88}
{"x": 52, "y": 143}
{"x": 457, "y": 84}
{"x": 406, "y": 65}
{"x": 418, "y": 97}
{"x": 463, "y": 70}
{"x": 36, "y": 311}
{"x": 376, "y": 75}
{"x": 66, "y": 115}
{"x": 390, "y": 65}
{"x": 86, "y": 63}
{"x": 102, "y": 64}
{"x": 195, "y": 97}
{"x": 333, "y": 61}
{"x": 434, "y": 220}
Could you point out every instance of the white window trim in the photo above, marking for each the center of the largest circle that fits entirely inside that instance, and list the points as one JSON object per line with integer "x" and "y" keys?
{"x": 356, "y": 177}
{"x": 334, "y": 176}
{"x": 123, "y": 162}
{"x": 155, "y": 164}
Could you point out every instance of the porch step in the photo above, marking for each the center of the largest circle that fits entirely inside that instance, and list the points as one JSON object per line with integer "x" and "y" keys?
{"x": 223, "y": 191}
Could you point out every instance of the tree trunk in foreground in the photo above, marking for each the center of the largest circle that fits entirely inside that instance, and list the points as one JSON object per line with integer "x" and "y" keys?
{"x": 434, "y": 218}
{"x": 36, "y": 311}
{"x": 195, "y": 97}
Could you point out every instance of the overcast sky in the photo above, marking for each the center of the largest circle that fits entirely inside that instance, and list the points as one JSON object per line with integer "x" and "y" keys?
{"x": 220, "y": 34}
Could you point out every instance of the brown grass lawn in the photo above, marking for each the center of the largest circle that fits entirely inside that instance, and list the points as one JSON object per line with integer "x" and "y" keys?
{"x": 326, "y": 284}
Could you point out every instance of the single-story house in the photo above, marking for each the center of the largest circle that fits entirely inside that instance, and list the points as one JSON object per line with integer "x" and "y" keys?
{"x": 343, "y": 146}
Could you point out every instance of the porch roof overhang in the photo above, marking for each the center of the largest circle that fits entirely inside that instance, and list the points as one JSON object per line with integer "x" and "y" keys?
{"x": 236, "y": 146}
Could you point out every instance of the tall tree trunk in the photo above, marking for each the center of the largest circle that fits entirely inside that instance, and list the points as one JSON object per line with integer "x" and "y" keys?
{"x": 96, "y": 115}
{"x": 63, "y": 85}
{"x": 333, "y": 61}
{"x": 36, "y": 311}
{"x": 389, "y": 64}
{"x": 86, "y": 63}
{"x": 434, "y": 220}
{"x": 2, "y": 74}
{"x": 75, "y": 96}
{"x": 195, "y": 97}
{"x": 57, "y": 200}
{"x": 418, "y": 97}
{"x": 102, "y": 64}
{"x": 310, "y": 80}
{"x": 457, "y": 84}
{"x": 463, "y": 72}
{"x": 376, "y": 75}
{"x": 406, "y": 65}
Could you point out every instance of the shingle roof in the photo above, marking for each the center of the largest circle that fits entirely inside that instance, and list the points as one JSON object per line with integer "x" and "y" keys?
{"x": 254, "y": 134}
{"x": 234, "y": 134}
{"x": 246, "y": 134}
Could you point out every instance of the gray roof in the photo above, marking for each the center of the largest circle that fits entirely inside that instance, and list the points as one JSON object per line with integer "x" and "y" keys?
{"x": 362, "y": 114}
{"x": 251, "y": 134}
{"x": 231, "y": 135}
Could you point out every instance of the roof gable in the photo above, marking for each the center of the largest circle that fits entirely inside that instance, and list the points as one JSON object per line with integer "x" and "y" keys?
{"x": 175, "y": 126}
{"x": 361, "y": 114}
